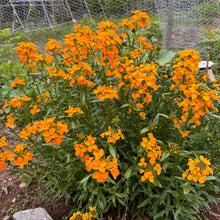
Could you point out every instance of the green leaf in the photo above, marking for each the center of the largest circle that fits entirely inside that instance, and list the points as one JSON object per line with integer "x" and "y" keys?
{"x": 68, "y": 158}
{"x": 156, "y": 119}
{"x": 111, "y": 150}
{"x": 85, "y": 179}
{"x": 177, "y": 212}
{"x": 144, "y": 130}
{"x": 211, "y": 178}
{"x": 145, "y": 202}
{"x": 186, "y": 188}
{"x": 128, "y": 173}
{"x": 199, "y": 136}
{"x": 165, "y": 155}
{"x": 121, "y": 201}
{"x": 166, "y": 56}
{"x": 114, "y": 201}
{"x": 165, "y": 166}
{"x": 125, "y": 105}
{"x": 73, "y": 125}
{"x": 7, "y": 110}
{"x": 165, "y": 116}
{"x": 157, "y": 183}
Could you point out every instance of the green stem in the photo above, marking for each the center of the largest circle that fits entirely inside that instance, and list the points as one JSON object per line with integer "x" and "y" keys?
{"x": 188, "y": 119}
{"x": 55, "y": 90}
{"x": 139, "y": 128}
{"x": 109, "y": 111}
{"x": 88, "y": 109}
{"x": 36, "y": 84}
{"x": 67, "y": 98}
{"x": 134, "y": 37}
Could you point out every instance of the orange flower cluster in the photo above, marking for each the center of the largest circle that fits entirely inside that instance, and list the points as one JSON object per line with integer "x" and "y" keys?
{"x": 113, "y": 137}
{"x": 135, "y": 54}
{"x": 144, "y": 45}
{"x": 106, "y": 92}
{"x": 198, "y": 170}
{"x": 58, "y": 73}
{"x": 34, "y": 109}
{"x": 42, "y": 99}
{"x": 142, "y": 79}
{"x": 198, "y": 101}
{"x": 10, "y": 120}
{"x": 94, "y": 159}
{"x": 139, "y": 20}
{"x": 3, "y": 142}
{"x": 199, "y": 97}
{"x": 103, "y": 44}
{"x": 186, "y": 66}
{"x": 27, "y": 52}
{"x": 86, "y": 216}
{"x": 153, "y": 153}
{"x": 51, "y": 131}
{"x": 16, "y": 82}
{"x": 20, "y": 155}
{"x": 76, "y": 111}
{"x": 53, "y": 45}
{"x": 17, "y": 102}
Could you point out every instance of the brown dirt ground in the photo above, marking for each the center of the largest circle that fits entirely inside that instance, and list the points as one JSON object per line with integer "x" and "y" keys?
{"x": 14, "y": 197}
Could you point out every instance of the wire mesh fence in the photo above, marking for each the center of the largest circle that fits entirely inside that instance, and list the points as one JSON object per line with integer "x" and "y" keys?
{"x": 37, "y": 20}
{"x": 190, "y": 24}
{"x": 183, "y": 23}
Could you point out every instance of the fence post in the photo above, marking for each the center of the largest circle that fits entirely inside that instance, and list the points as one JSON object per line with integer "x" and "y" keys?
{"x": 19, "y": 20}
{"x": 45, "y": 11}
{"x": 170, "y": 24}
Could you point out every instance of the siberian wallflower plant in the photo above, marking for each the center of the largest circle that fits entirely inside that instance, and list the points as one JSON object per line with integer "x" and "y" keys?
{"x": 113, "y": 128}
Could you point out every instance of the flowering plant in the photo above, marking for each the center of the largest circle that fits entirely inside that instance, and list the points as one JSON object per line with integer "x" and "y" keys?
{"x": 112, "y": 127}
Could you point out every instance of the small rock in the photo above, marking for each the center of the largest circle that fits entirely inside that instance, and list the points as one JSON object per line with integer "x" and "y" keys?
{"x": 13, "y": 200}
{"x": 7, "y": 218}
{"x": 33, "y": 214}
{"x": 23, "y": 185}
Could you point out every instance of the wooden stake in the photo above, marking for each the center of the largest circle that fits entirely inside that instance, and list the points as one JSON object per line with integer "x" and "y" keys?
{"x": 207, "y": 67}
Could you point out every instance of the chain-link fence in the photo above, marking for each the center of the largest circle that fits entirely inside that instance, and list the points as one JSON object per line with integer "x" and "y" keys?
{"x": 190, "y": 24}
{"x": 37, "y": 20}
{"x": 184, "y": 23}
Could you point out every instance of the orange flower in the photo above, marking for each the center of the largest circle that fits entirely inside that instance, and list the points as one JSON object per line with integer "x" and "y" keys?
{"x": 113, "y": 137}
{"x": 17, "y": 102}
{"x": 53, "y": 45}
{"x": 3, "y": 142}
{"x": 76, "y": 111}
{"x": 46, "y": 94}
{"x": 135, "y": 54}
{"x": 154, "y": 153}
{"x": 2, "y": 161}
{"x": 148, "y": 175}
{"x": 34, "y": 110}
{"x": 17, "y": 81}
{"x": 198, "y": 170}
{"x": 143, "y": 115}
{"x": 100, "y": 176}
{"x": 106, "y": 92}
{"x": 10, "y": 120}
{"x": 19, "y": 148}
{"x": 24, "y": 159}
{"x": 9, "y": 155}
